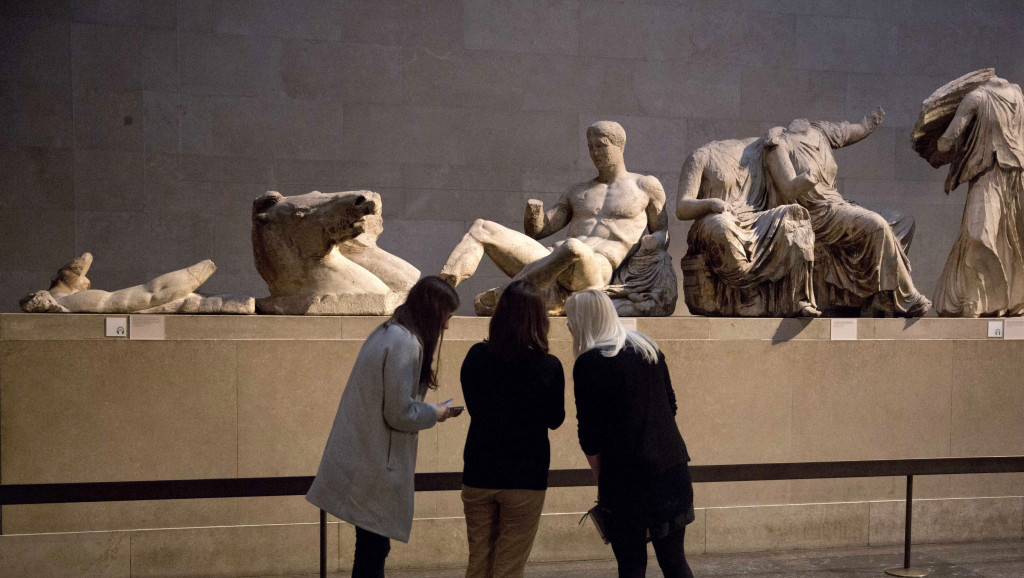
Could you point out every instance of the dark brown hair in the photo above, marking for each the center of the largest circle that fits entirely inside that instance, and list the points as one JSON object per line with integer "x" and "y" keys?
{"x": 520, "y": 323}
{"x": 431, "y": 301}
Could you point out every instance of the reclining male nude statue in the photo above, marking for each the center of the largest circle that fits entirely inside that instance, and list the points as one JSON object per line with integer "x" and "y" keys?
{"x": 70, "y": 292}
{"x": 746, "y": 255}
{"x": 605, "y": 218}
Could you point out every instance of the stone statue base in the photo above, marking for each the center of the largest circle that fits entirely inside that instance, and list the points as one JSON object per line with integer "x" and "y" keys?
{"x": 336, "y": 304}
{"x": 223, "y": 304}
{"x": 102, "y": 407}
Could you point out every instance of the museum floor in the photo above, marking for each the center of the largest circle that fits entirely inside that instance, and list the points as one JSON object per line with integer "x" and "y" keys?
{"x": 988, "y": 559}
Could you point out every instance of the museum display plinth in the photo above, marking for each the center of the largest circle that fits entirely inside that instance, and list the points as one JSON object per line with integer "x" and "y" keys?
{"x": 252, "y": 396}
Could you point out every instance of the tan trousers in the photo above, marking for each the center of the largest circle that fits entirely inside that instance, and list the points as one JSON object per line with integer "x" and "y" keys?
{"x": 501, "y": 525}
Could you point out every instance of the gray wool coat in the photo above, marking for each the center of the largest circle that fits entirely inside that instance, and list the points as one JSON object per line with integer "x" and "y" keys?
{"x": 367, "y": 471}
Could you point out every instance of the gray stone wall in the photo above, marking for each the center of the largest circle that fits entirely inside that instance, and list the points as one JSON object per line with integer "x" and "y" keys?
{"x": 141, "y": 130}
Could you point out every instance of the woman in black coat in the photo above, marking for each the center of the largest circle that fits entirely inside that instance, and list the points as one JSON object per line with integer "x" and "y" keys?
{"x": 626, "y": 410}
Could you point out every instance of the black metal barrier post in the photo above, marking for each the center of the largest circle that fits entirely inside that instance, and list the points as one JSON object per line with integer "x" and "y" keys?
{"x": 906, "y": 570}
{"x": 908, "y": 523}
{"x": 23, "y": 494}
{"x": 323, "y": 544}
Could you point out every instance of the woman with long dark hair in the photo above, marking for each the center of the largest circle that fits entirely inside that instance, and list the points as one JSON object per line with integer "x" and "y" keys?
{"x": 367, "y": 472}
{"x": 626, "y": 410}
{"x": 514, "y": 391}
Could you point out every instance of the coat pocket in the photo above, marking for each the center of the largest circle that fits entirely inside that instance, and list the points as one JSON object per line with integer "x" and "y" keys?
{"x": 401, "y": 449}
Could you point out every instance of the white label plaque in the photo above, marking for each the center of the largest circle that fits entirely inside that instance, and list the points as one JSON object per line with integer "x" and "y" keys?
{"x": 1013, "y": 328}
{"x": 117, "y": 327}
{"x": 147, "y": 327}
{"x": 995, "y": 329}
{"x": 844, "y": 330}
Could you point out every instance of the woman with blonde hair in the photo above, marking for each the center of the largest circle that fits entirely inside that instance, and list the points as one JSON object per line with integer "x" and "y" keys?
{"x": 626, "y": 410}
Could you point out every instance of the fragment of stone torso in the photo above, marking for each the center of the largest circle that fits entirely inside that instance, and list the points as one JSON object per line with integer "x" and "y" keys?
{"x": 71, "y": 292}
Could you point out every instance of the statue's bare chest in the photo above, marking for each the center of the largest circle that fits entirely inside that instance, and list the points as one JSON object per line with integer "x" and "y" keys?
{"x": 615, "y": 201}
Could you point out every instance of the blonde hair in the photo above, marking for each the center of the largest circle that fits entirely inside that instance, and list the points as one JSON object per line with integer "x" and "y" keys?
{"x": 596, "y": 325}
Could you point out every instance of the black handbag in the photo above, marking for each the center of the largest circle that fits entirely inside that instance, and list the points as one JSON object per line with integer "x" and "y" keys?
{"x": 602, "y": 519}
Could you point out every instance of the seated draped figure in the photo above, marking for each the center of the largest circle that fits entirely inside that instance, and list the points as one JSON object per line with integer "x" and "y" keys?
{"x": 617, "y": 239}
{"x": 860, "y": 256}
{"x": 773, "y": 236}
{"x": 318, "y": 254}
{"x": 71, "y": 292}
{"x": 745, "y": 257}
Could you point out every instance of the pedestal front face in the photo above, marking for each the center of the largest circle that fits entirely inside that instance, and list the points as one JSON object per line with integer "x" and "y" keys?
{"x": 255, "y": 396}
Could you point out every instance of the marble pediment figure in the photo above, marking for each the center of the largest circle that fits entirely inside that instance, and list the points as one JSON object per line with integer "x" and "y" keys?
{"x": 975, "y": 124}
{"x": 611, "y": 219}
{"x": 71, "y": 292}
{"x": 860, "y": 257}
{"x": 645, "y": 284}
{"x": 746, "y": 256}
{"x": 318, "y": 254}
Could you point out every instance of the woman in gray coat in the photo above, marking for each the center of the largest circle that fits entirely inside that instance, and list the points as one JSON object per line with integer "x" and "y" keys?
{"x": 367, "y": 472}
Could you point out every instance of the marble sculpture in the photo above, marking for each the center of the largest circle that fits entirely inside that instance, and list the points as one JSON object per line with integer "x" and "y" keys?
{"x": 645, "y": 284}
{"x": 318, "y": 254}
{"x": 860, "y": 258}
{"x": 747, "y": 256}
{"x": 975, "y": 124}
{"x": 606, "y": 219}
{"x": 772, "y": 236}
{"x": 70, "y": 292}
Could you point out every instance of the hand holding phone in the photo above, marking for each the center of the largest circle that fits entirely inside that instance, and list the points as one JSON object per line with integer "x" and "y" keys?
{"x": 446, "y": 410}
